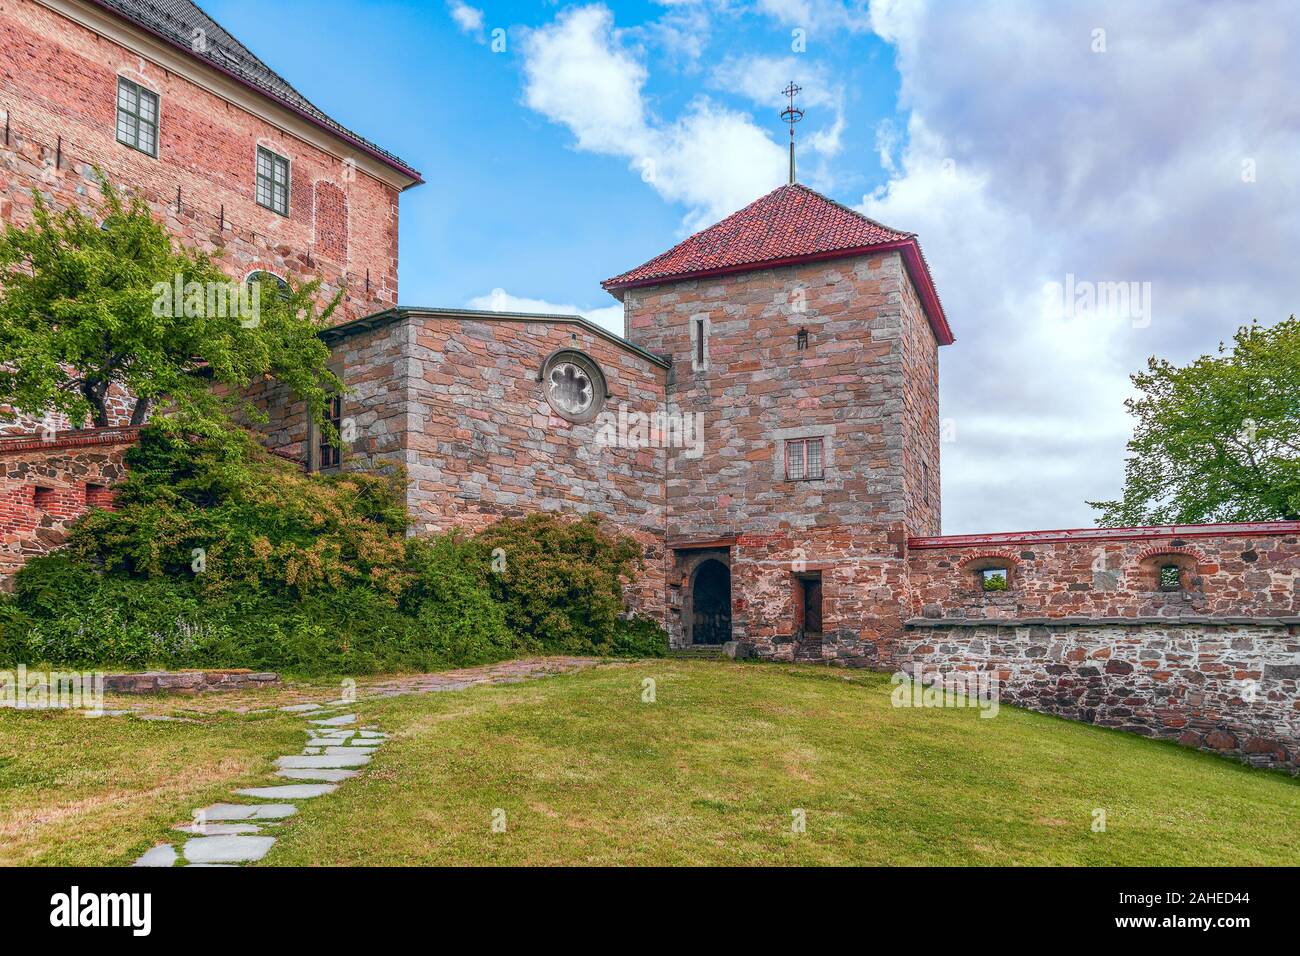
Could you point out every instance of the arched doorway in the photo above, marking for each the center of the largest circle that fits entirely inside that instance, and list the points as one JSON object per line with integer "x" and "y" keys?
{"x": 711, "y": 603}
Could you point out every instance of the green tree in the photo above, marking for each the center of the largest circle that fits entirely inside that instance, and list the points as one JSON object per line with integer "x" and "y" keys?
{"x": 88, "y": 303}
{"x": 1219, "y": 439}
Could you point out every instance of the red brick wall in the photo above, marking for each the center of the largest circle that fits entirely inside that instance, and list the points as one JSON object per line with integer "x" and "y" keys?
{"x": 1232, "y": 574}
{"x": 58, "y": 88}
{"x": 46, "y": 486}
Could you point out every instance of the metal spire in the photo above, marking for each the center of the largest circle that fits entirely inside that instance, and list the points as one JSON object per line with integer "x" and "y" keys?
{"x": 792, "y": 114}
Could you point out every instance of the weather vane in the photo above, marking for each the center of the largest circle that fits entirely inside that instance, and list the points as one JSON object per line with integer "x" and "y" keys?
{"x": 792, "y": 114}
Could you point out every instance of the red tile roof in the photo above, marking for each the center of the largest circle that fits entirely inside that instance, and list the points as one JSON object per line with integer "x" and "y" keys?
{"x": 789, "y": 225}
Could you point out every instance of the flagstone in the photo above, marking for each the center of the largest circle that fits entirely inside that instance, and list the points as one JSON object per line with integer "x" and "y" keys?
{"x": 216, "y": 829}
{"x": 327, "y": 761}
{"x": 247, "y": 811}
{"x": 227, "y": 849}
{"x": 163, "y": 855}
{"x": 288, "y": 791}
{"x": 328, "y": 776}
{"x": 338, "y": 721}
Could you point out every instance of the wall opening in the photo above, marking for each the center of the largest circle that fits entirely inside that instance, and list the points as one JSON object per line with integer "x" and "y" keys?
{"x": 1170, "y": 573}
{"x": 808, "y": 604}
{"x": 711, "y": 603}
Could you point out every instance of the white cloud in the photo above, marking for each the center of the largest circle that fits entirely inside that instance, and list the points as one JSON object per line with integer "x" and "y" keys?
{"x": 1030, "y": 158}
{"x": 820, "y": 18}
{"x": 469, "y": 19}
{"x": 499, "y": 300}
{"x": 579, "y": 72}
{"x": 761, "y": 79}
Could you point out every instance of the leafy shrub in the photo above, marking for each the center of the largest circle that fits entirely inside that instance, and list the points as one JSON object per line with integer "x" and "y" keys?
{"x": 460, "y": 623}
{"x": 223, "y": 512}
{"x": 309, "y": 574}
{"x": 562, "y": 581}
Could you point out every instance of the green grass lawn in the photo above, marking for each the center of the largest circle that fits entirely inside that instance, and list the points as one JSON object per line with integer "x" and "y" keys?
{"x": 709, "y": 773}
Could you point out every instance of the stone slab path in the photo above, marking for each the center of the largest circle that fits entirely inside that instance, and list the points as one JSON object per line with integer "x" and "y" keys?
{"x": 337, "y": 746}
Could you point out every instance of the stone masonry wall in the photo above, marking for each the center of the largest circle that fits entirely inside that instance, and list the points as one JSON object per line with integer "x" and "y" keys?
{"x": 373, "y": 367}
{"x": 485, "y": 444}
{"x": 1229, "y": 689}
{"x": 47, "y": 485}
{"x": 853, "y": 386}
{"x": 58, "y": 90}
{"x": 1086, "y": 632}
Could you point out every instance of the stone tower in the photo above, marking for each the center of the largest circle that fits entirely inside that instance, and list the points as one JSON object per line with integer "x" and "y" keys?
{"x": 806, "y": 336}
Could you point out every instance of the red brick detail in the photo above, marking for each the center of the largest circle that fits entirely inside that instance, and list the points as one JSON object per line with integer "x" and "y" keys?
{"x": 1160, "y": 549}
{"x": 331, "y": 222}
{"x": 46, "y": 486}
{"x": 1007, "y": 556}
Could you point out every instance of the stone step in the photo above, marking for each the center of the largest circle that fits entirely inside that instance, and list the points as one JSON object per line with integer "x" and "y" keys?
{"x": 693, "y": 651}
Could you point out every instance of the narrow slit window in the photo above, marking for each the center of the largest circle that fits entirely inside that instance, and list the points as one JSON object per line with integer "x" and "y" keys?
{"x": 803, "y": 459}
{"x": 272, "y": 181}
{"x": 137, "y": 117}
{"x": 700, "y": 342}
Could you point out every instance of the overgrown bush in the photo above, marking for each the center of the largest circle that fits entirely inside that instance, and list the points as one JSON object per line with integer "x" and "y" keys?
{"x": 224, "y": 513}
{"x": 561, "y": 582}
{"x": 220, "y": 555}
{"x": 460, "y": 623}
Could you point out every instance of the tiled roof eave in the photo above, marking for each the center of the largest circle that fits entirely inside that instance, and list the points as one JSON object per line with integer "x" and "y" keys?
{"x": 917, "y": 269}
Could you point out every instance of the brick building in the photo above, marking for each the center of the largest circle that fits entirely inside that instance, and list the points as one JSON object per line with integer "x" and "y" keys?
{"x": 767, "y": 426}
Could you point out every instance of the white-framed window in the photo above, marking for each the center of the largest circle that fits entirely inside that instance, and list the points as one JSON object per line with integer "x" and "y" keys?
{"x": 804, "y": 459}
{"x": 272, "y": 181}
{"x": 137, "y": 117}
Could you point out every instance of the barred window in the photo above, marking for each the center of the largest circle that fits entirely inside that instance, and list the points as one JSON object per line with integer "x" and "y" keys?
{"x": 137, "y": 117}
{"x": 803, "y": 459}
{"x": 272, "y": 181}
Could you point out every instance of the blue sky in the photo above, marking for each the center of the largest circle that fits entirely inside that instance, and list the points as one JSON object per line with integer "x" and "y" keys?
{"x": 509, "y": 201}
{"x": 1033, "y": 146}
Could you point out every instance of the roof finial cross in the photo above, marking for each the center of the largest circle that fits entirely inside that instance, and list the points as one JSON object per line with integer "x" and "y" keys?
{"x": 792, "y": 114}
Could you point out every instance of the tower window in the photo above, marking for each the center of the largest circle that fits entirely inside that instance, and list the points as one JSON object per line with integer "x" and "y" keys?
{"x": 801, "y": 340}
{"x": 699, "y": 331}
{"x": 803, "y": 459}
{"x": 1171, "y": 577}
{"x": 272, "y": 181}
{"x": 137, "y": 117}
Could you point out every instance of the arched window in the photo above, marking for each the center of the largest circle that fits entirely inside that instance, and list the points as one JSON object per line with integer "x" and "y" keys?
{"x": 268, "y": 280}
{"x": 1169, "y": 571}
